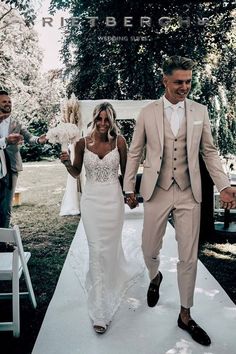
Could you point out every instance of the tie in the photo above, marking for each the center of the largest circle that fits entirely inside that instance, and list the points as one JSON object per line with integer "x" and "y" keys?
{"x": 3, "y": 167}
{"x": 174, "y": 120}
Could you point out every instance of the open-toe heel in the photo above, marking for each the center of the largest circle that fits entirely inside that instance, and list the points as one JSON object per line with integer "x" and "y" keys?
{"x": 99, "y": 329}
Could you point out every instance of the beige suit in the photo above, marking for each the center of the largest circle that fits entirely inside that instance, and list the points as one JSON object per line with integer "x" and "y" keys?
{"x": 181, "y": 195}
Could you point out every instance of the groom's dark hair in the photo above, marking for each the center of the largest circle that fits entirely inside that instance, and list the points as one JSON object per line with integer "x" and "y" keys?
{"x": 3, "y": 93}
{"x": 177, "y": 63}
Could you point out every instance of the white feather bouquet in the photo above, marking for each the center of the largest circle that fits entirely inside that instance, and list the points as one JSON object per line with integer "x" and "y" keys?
{"x": 64, "y": 133}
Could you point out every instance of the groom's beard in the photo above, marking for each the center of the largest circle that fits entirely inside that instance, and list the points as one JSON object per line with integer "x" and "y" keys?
{"x": 6, "y": 109}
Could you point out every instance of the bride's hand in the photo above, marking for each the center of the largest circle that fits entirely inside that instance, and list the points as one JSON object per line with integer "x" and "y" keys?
{"x": 65, "y": 157}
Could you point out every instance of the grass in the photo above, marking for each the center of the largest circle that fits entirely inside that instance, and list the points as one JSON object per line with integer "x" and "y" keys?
{"x": 48, "y": 236}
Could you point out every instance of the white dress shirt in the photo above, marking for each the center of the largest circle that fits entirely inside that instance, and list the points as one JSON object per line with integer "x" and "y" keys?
{"x": 3, "y": 166}
{"x": 4, "y": 132}
{"x": 174, "y": 113}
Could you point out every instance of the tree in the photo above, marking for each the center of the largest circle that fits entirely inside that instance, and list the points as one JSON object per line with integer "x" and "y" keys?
{"x": 36, "y": 96}
{"x": 26, "y": 9}
{"x": 124, "y": 62}
{"x": 20, "y": 58}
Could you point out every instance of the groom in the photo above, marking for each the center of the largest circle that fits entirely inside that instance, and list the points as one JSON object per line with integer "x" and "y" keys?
{"x": 174, "y": 130}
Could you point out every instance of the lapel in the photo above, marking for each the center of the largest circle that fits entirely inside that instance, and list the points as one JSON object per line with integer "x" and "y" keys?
{"x": 189, "y": 117}
{"x": 159, "y": 118}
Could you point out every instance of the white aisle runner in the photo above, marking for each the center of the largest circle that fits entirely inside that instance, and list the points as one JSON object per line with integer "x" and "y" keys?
{"x": 136, "y": 328}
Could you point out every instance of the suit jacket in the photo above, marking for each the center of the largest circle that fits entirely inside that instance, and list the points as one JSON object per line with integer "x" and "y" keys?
{"x": 13, "y": 150}
{"x": 149, "y": 132}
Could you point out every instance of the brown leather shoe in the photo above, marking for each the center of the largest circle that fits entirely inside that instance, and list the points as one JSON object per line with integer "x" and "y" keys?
{"x": 153, "y": 292}
{"x": 195, "y": 331}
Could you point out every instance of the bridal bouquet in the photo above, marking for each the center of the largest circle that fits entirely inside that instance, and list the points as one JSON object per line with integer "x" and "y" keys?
{"x": 64, "y": 133}
{"x": 68, "y": 131}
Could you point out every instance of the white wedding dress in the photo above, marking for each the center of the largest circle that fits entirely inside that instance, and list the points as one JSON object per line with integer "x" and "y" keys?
{"x": 102, "y": 210}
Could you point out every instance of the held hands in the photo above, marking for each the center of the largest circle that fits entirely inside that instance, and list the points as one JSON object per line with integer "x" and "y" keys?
{"x": 228, "y": 198}
{"x": 131, "y": 200}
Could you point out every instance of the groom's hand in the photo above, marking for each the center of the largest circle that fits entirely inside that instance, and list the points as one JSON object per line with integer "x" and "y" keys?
{"x": 131, "y": 200}
{"x": 228, "y": 198}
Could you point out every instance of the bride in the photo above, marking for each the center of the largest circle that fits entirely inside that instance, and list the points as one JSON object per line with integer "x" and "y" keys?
{"x": 103, "y": 151}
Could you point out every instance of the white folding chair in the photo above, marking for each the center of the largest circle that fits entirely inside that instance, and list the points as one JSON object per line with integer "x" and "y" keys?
{"x": 12, "y": 265}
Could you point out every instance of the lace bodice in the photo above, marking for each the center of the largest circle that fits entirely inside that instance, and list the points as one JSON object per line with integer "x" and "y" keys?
{"x": 101, "y": 170}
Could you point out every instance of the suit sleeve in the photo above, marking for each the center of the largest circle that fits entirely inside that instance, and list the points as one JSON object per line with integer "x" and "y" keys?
{"x": 28, "y": 137}
{"x": 211, "y": 157}
{"x": 135, "y": 154}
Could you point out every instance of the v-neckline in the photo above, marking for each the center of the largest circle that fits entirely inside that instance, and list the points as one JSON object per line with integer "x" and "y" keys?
{"x": 104, "y": 155}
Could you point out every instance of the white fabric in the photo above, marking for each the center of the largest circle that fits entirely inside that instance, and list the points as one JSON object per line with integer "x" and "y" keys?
{"x": 4, "y": 129}
{"x": 175, "y": 114}
{"x": 3, "y": 166}
{"x": 70, "y": 204}
{"x": 102, "y": 212}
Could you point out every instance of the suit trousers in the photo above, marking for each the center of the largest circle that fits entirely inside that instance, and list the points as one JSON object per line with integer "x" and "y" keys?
{"x": 186, "y": 214}
{"x": 6, "y": 202}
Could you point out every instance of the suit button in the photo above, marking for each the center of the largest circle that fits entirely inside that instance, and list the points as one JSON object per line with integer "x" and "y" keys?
{"x": 175, "y": 158}
{"x": 176, "y": 139}
{"x": 174, "y": 168}
{"x": 175, "y": 149}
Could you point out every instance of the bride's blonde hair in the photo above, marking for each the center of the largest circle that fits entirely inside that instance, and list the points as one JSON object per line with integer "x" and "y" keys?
{"x": 113, "y": 131}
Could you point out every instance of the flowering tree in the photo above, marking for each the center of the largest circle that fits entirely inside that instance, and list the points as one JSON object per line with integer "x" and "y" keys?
{"x": 36, "y": 97}
{"x": 26, "y": 9}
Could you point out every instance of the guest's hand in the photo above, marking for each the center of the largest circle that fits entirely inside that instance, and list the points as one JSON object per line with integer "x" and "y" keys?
{"x": 43, "y": 139}
{"x": 15, "y": 138}
{"x": 65, "y": 158}
{"x": 228, "y": 198}
{"x": 131, "y": 200}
